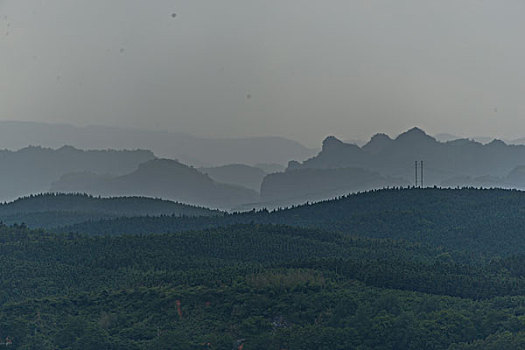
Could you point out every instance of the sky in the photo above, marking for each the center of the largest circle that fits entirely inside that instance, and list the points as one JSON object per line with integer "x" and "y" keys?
{"x": 301, "y": 69}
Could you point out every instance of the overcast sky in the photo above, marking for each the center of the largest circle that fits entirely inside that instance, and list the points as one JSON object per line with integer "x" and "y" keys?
{"x": 302, "y": 69}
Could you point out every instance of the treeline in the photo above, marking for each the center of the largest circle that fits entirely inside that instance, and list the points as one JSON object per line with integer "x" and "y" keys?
{"x": 481, "y": 221}
{"x": 391, "y": 269}
{"x": 50, "y": 210}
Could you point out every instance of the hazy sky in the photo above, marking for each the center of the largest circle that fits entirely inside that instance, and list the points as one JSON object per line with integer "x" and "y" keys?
{"x": 302, "y": 69}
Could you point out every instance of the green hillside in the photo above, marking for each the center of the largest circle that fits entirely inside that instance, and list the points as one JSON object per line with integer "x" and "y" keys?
{"x": 483, "y": 221}
{"x": 272, "y": 286}
{"x": 343, "y": 274}
{"x": 50, "y": 210}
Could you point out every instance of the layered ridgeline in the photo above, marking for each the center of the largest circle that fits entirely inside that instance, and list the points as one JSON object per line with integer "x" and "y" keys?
{"x": 254, "y": 286}
{"x": 237, "y": 174}
{"x": 297, "y": 186}
{"x": 33, "y": 169}
{"x": 106, "y": 173}
{"x": 55, "y": 209}
{"x": 484, "y": 221}
{"x": 198, "y": 151}
{"x": 390, "y": 162}
{"x": 159, "y": 178}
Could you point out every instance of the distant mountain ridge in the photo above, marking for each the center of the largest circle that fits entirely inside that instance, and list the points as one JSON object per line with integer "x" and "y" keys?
{"x": 32, "y": 169}
{"x": 160, "y": 178}
{"x": 318, "y": 184}
{"x": 395, "y": 157}
{"x": 386, "y": 162}
{"x": 198, "y": 151}
{"x": 237, "y": 174}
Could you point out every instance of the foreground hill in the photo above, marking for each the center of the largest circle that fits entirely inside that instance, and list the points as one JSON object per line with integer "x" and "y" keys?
{"x": 257, "y": 286}
{"x": 160, "y": 178}
{"x": 484, "y": 221}
{"x": 57, "y": 209}
{"x": 33, "y": 169}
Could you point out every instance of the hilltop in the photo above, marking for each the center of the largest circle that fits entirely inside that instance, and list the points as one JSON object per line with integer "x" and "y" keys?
{"x": 58, "y": 209}
{"x": 467, "y": 218}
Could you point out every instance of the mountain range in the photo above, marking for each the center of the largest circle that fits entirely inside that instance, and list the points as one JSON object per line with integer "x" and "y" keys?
{"x": 32, "y": 169}
{"x": 159, "y": 178}
{"x": 338, "y": 169}
{"x": 192, "y": 150}
{"x": 341, "y": 167}
{"x": 237, "y": 174}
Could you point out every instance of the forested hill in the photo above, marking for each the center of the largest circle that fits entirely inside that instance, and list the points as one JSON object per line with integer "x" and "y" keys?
{"x": 264, "y": 286}
{"x": 480, "y": 220}
{"x": 273, "y": 287}
{"x": 55, "y": 209}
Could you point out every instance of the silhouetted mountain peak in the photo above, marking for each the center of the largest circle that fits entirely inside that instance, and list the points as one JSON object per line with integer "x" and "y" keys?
{"x": 333, "y": 145}
{"x": 380, "y": 137}
{"x": 496, "y": 143}
{"x": 415, "y": 135}
{"x": 377, "y": 143}
{"x": 332, "y": 142}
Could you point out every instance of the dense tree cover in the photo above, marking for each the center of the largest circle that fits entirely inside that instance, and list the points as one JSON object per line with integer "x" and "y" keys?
{"x": 484, "y": 221}
{"x": 291, "y": 310}
{"x": 49, "y": 210}
{"x": 264, "y": 286}
{"x": 391, "y": 269}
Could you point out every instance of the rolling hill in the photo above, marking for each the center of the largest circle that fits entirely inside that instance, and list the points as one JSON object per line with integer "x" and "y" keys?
{"x": 160, "y": 178}
{"x": 32, "y": 169}
{"x": 467, "y": 219}
{"x": 57, "y": 209}
{"x": 260, "y": 286}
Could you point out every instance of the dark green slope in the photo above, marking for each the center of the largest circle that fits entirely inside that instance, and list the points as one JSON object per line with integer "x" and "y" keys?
{"x": 57, "y": 209}
{"x": 305, "y": 312}
{"x": 482, "y": 221}
{"x": 273, "y": 286}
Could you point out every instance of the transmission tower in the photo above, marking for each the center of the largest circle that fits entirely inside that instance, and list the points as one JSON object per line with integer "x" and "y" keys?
{"x": 421, "y": 174}
{"x": 415, "y": 168}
